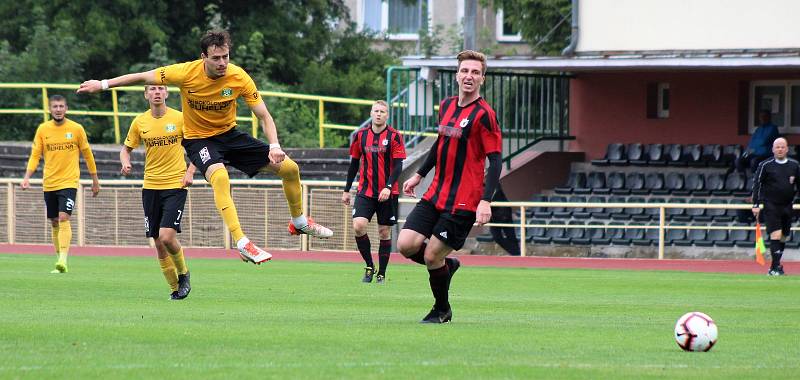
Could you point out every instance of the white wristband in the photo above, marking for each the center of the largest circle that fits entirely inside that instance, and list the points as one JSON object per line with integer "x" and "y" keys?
{"x": 274, "y": 146}
{"x": 104, "y": 84}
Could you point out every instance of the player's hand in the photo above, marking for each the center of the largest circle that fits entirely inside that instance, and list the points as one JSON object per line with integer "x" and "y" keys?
{"x": 346, "y": 198}
{"x": 384, "y": 195}
{"x": 95, "y": 188}
{"x": 756, "y": 211}
{"x": 90, "y": 87}
{"x": 483, "y": 213}
{"x": 126, "y": 169}
{"x": 26, "y": 184}
{"x": 188, "y": 179}
{"x": 276, "y": 155}
{"x": 410, "y": 184}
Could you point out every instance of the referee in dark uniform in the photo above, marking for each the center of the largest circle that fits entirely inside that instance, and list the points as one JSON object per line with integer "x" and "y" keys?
{"x": 775, "y": 184}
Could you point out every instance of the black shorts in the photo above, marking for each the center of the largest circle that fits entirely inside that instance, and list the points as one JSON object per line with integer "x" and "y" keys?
{"x": 365, "y": 207}
{"x": 162, "y": 209}
{"x": 452, "y": 229}
{"x": 778, "y": 217}
{"x": 234, "y": 148}
{"x": 62, "y": 200}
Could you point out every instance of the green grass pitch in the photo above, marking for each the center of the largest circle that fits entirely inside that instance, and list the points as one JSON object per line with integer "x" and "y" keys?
{"x": 110, "y": 318}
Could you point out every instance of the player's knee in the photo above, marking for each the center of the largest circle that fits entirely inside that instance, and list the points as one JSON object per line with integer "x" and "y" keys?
{"x": 289, "y": 170}
{"x": 213, "y": 168}
{"x": 167, "y": 236}
{"x": 54, "y": 222}
{"x": 776, "y": 235}
{"x": 359, "y": 226}
{"x": 384, "y": 232}
{"x": 406, "y": 246}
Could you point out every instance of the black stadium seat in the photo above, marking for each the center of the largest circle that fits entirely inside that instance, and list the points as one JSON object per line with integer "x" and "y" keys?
{"x": 698, "y": 237}
{"x": 597, "y": 236}
{"x": 729, "y": 154}
{"x": 719, "y": 238}
{"x": 655, "y": 155}
{"x": 696, "y": 184}
{"x": 697, "y": 214}
{"x": 674, "y": 235}
{"x": 534, "y": 232}
{"x": 715, "y": 182}
{"x": 596, "y": 181}
{"x": 634, "y": 153}
{"x": 719, "y": 215}
{"x": 635, "y": 183}
{"x": 558, "y": 211}
{"x": 579, "y": 212}
{"x": 571, "y": 233}
{"x": 654, "y": 212}
{"x": 674, "y": 212}
{"x": 692, "y": 155}
{"x": 654, "y": 183}
{"x": 577, "y": 180}
{"x": 673, "y": 182}
{"x": 712, "y": 153}
{"x": 673, "y": 153}
{"x": 597, "y": 212}
{"x": 616, "y": 182}
{"x": 614, "y": 151}
{"x": 541, "y": 211}
{"x": 742, "y": 238}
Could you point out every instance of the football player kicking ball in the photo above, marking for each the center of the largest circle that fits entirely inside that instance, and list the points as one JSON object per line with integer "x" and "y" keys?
{"x": 165, "y": 177}
{"x": 209, "y": 89}
{"x": 457, "y": 197}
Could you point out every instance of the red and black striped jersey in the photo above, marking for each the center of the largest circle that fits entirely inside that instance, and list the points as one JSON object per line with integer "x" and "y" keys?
{"x": 377, "y": 152}
{"x": 466, "y": 136}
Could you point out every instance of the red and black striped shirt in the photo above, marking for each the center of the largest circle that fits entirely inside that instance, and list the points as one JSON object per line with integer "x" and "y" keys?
{"x": 377, "y": 153}
{"x": 466, "y": 136}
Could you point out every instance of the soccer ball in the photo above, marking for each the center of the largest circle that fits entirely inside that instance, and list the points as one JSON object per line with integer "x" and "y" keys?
{"x": 695, "y": 331}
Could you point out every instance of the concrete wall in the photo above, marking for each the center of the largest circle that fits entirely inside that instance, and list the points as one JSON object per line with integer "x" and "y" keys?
{"x": 704, "y": 109}
{"x": 614, "y": 25}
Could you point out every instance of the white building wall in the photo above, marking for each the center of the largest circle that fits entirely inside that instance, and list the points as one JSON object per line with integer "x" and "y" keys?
{"x": 625, "y": 25}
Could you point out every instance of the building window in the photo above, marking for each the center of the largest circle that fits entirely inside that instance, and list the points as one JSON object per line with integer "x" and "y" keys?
{"x": 506, "y": 32}
{"x": 658, "y": 98}
{"x": 781, "y": 98}
{"x": 397, "y": 19}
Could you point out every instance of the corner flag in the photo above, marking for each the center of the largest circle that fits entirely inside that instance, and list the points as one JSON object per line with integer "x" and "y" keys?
{"x": 760, "y": 248}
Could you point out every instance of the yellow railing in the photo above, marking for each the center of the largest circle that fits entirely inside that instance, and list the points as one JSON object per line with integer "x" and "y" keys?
{"x": 115, "y": 113}
{"x": 112, "y": 218}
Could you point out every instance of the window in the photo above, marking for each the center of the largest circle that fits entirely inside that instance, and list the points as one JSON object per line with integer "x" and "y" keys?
{"x": 658, "y": 100}
{"x": 506, "y": 32}
{"x": 781, "y": 98}
{"x": 398, "y": 19}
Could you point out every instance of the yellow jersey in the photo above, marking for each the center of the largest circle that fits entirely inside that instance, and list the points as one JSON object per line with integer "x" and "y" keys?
{"x": 208, "y": 105}
{"x": 59, "y": 145}
{"x": 164, "y": 165}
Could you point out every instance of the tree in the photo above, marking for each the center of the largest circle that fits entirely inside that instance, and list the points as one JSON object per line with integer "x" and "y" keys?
{"x": 544, "y": 23}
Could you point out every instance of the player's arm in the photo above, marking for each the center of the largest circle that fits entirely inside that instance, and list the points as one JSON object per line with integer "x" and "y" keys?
{"x": 33, "y": 161}
{"x": 188, "y": 178}
{"x": 351, "y": 175}
{"x": 86, "y": 151}
{"x": 276, "y": 154}
{"x": 125, "y": 160}
{"x": 397, "y": 168}
{"x": 484, "y": 211}
{"x": 94, "y": 85}
{"x": 756, "y": 191}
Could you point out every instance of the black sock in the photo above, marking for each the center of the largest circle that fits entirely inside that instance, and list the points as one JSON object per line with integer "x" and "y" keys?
{"x": 384, "y": 251}
{"x": 775, "y": 250}
{"x": 439, "y": 278}
{"x": 419, "y": 257}
{"x": 364, "y": 248}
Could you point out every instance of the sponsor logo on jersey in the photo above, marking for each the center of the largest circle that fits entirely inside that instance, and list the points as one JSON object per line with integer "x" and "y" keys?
{"x": 463, "y": 123}
{"x": 170, "y": 127}
{"x": 226, "y": 92}
{"x": 69, "y": 135}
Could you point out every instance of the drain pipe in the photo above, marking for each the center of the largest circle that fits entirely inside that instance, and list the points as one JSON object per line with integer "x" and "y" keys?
{"x": 573, "y": 39}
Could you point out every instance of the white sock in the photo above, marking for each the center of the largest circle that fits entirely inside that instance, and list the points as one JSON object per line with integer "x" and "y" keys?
{"x": 300, "y": 221}
{"x": 242, "y": 242}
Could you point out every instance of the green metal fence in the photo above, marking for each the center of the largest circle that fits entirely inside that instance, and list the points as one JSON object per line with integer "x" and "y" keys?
{"x": 530, "y": 107}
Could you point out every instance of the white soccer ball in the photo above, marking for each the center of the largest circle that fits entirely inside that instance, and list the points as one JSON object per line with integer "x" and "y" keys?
{"x": 696, "y": 331}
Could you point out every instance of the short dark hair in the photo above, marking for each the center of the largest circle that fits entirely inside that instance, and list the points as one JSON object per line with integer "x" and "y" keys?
{"x": 215, "y": 38}
{"x": 57, "y": 98}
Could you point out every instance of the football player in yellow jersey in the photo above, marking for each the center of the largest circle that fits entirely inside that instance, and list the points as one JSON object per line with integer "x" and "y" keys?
{"x": 209, "y": 88}
{"x": 165, "y": 179}
{"x": 59, "y": 141}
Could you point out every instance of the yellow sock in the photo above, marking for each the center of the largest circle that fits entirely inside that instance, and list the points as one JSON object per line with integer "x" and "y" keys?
{"x": 289, "y": 172}
{"x": 221, "y": 184}
{"x": 179, "y": 262}
{"x": 170, "y": 273}
{"x": 55, "y": 239}
{"x": 64, "y": 239}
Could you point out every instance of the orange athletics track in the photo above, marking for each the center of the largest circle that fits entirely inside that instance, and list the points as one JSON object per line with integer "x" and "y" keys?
{"x": 710, "y": 266}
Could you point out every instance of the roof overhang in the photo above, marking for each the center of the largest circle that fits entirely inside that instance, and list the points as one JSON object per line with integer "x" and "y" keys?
{"x": 629, "y": 62}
